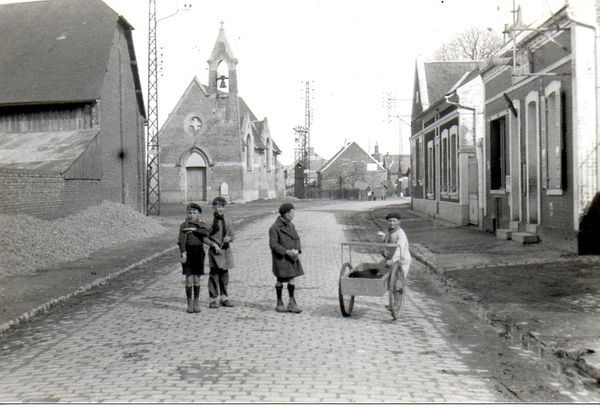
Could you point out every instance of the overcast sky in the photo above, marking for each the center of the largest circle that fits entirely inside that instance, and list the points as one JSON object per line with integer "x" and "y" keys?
{"x": 355, "y": 51}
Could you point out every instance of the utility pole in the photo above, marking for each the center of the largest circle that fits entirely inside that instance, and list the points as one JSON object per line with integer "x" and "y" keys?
{"x": 302, "y": 137}
{"x": 152, "y": 144}
{"x": 152, "y": 159}
{"x": 390, "y": 105}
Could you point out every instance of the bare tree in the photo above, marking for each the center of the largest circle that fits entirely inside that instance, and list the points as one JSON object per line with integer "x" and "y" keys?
{"x": 472, "y": 44}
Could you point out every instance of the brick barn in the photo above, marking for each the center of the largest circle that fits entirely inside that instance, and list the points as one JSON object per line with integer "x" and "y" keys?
{"x": 351, "y": 172}
{"x": 71, "y": 109}
{"x": 212, "y": 143}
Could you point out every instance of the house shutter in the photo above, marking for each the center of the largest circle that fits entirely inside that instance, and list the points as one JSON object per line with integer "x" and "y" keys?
{"x": 554, "y": 138}
{"x": 544, "y": 142}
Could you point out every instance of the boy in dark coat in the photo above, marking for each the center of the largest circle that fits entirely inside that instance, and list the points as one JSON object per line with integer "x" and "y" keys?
{"x": 192, "y": 233}
{"x": 285, "y": 248}
{"x": 220, "y": 258}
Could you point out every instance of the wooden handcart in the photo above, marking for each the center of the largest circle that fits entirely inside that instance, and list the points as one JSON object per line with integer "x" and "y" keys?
{"x": 370, "y": 279}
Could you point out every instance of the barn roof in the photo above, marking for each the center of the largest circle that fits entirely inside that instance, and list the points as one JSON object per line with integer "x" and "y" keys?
{"x": 44, "y": 151}
{"x": 56, "y": 51}
{"x": 367, "y": 157}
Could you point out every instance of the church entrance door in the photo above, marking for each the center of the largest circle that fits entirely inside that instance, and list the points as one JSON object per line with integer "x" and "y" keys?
{"x": 196, "y": 183}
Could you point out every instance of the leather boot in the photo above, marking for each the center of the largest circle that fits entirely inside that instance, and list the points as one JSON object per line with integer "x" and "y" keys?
{"x": 292, "y": 306}
{"x": 196, "y": 305}
{"x": 188, "y": 294}
{"x": 280, "y": 307}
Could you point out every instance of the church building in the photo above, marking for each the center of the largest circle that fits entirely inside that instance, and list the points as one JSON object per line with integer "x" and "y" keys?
{"x": 212, "y": 144}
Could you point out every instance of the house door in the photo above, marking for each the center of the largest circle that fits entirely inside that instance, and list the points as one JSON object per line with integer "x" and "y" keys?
{"x": 196, "y": 183}
{"x": 473, "y": 192}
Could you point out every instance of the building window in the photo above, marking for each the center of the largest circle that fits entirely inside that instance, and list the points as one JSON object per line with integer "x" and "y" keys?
{"x": 413, "y": 163}
{"x": 554, "y": 144}
{"x": 420, "y": 162}
{"x": 498, "y": 154}
{"x": 430, "y": 170}
{"x": 453, "y": 152}
{"x": 444, "y": 162}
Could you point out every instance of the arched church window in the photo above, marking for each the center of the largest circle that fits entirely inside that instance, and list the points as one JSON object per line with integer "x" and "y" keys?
{"x": 249, "y": 152}
{"x": 269, "y": 155}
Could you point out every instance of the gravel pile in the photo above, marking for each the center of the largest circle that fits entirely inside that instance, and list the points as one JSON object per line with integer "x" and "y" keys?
{"x": 28, "y": 243}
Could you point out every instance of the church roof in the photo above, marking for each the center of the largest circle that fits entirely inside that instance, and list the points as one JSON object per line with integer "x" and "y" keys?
{"x": 245, "y": 109}
{"x": 44, "y": 151}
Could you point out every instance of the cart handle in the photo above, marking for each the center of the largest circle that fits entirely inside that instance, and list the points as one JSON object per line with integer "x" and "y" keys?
{"x": 369, "y": 244}
{"x": 363, "y": 244}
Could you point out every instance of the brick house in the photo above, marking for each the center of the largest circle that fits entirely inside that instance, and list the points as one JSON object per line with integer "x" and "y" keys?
{"x": 212, "y": 143}
{"x": 352, "y": 169}
{"x": 541, "y": 141}
{"x": 71, "y": 109}
{"x": 447, "y": 124}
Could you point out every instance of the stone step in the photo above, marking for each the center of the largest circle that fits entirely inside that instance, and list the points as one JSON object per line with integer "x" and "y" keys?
{"x": 514, "y": 225}
{"x": 524, "y": 237}
{"x": 531, "y": 228}
{"x": 504, "y": 234}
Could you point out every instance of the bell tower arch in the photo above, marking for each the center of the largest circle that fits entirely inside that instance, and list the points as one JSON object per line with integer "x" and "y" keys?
{"x": 219, "y": 78}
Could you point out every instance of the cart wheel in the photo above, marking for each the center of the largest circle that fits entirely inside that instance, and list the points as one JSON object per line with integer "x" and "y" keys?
{"x": 346, "y": 303}
{"x": 397, "y": 289}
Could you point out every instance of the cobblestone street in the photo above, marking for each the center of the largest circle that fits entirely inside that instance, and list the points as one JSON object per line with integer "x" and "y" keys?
{"x": 137, "y": 343}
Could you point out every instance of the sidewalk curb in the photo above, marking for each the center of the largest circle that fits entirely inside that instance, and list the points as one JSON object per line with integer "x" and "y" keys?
{"x": 15, "y": 322}
{"x": 584, "y": 364}
{"x": 586, "y": 361}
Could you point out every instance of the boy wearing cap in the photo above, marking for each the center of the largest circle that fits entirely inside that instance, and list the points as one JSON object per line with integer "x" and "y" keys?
{"x": 396, "y": 235}
{"x": 192, "y": 233}
{"x": 220, "y": 258}
{"x": 285, "y": 248}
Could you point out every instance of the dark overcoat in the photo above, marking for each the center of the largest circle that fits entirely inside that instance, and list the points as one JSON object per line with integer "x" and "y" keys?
{"x": 224, "y": 259}
{"x": 283, "y": 237}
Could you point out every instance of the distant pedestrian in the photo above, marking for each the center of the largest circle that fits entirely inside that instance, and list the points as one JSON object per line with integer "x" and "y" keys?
{"x": 396, "y": 235}
{"x": 220, "y": 257}
{"x": 192, "y": 233}
{"x": 285, "y": 250}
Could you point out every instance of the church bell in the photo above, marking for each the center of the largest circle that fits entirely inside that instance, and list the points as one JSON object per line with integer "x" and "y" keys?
{"x": 223, "y": 84}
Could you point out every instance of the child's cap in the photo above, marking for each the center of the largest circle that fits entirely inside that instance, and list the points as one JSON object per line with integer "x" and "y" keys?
{"x": 195, "y": 205}
{"x": 395, "y": 215}
{"x": 285, "y": 208}
{"x": 219, "y": 201}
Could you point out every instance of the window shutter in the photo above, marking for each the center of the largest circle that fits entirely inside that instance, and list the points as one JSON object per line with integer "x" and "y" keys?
{"x": 554, "y": 146}
{"x": 558, "y": 144}
{"x": 544, "y": 142}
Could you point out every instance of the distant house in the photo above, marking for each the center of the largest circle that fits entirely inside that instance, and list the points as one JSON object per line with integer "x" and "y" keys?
{"x": 352, "y": 168}
{"x": 71, "y": 109}
{"x": 541, "y": 141}
{"x": 213, "y": 144}
{"x": 398, "y": 169}
{"x": 447, "y": 124}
